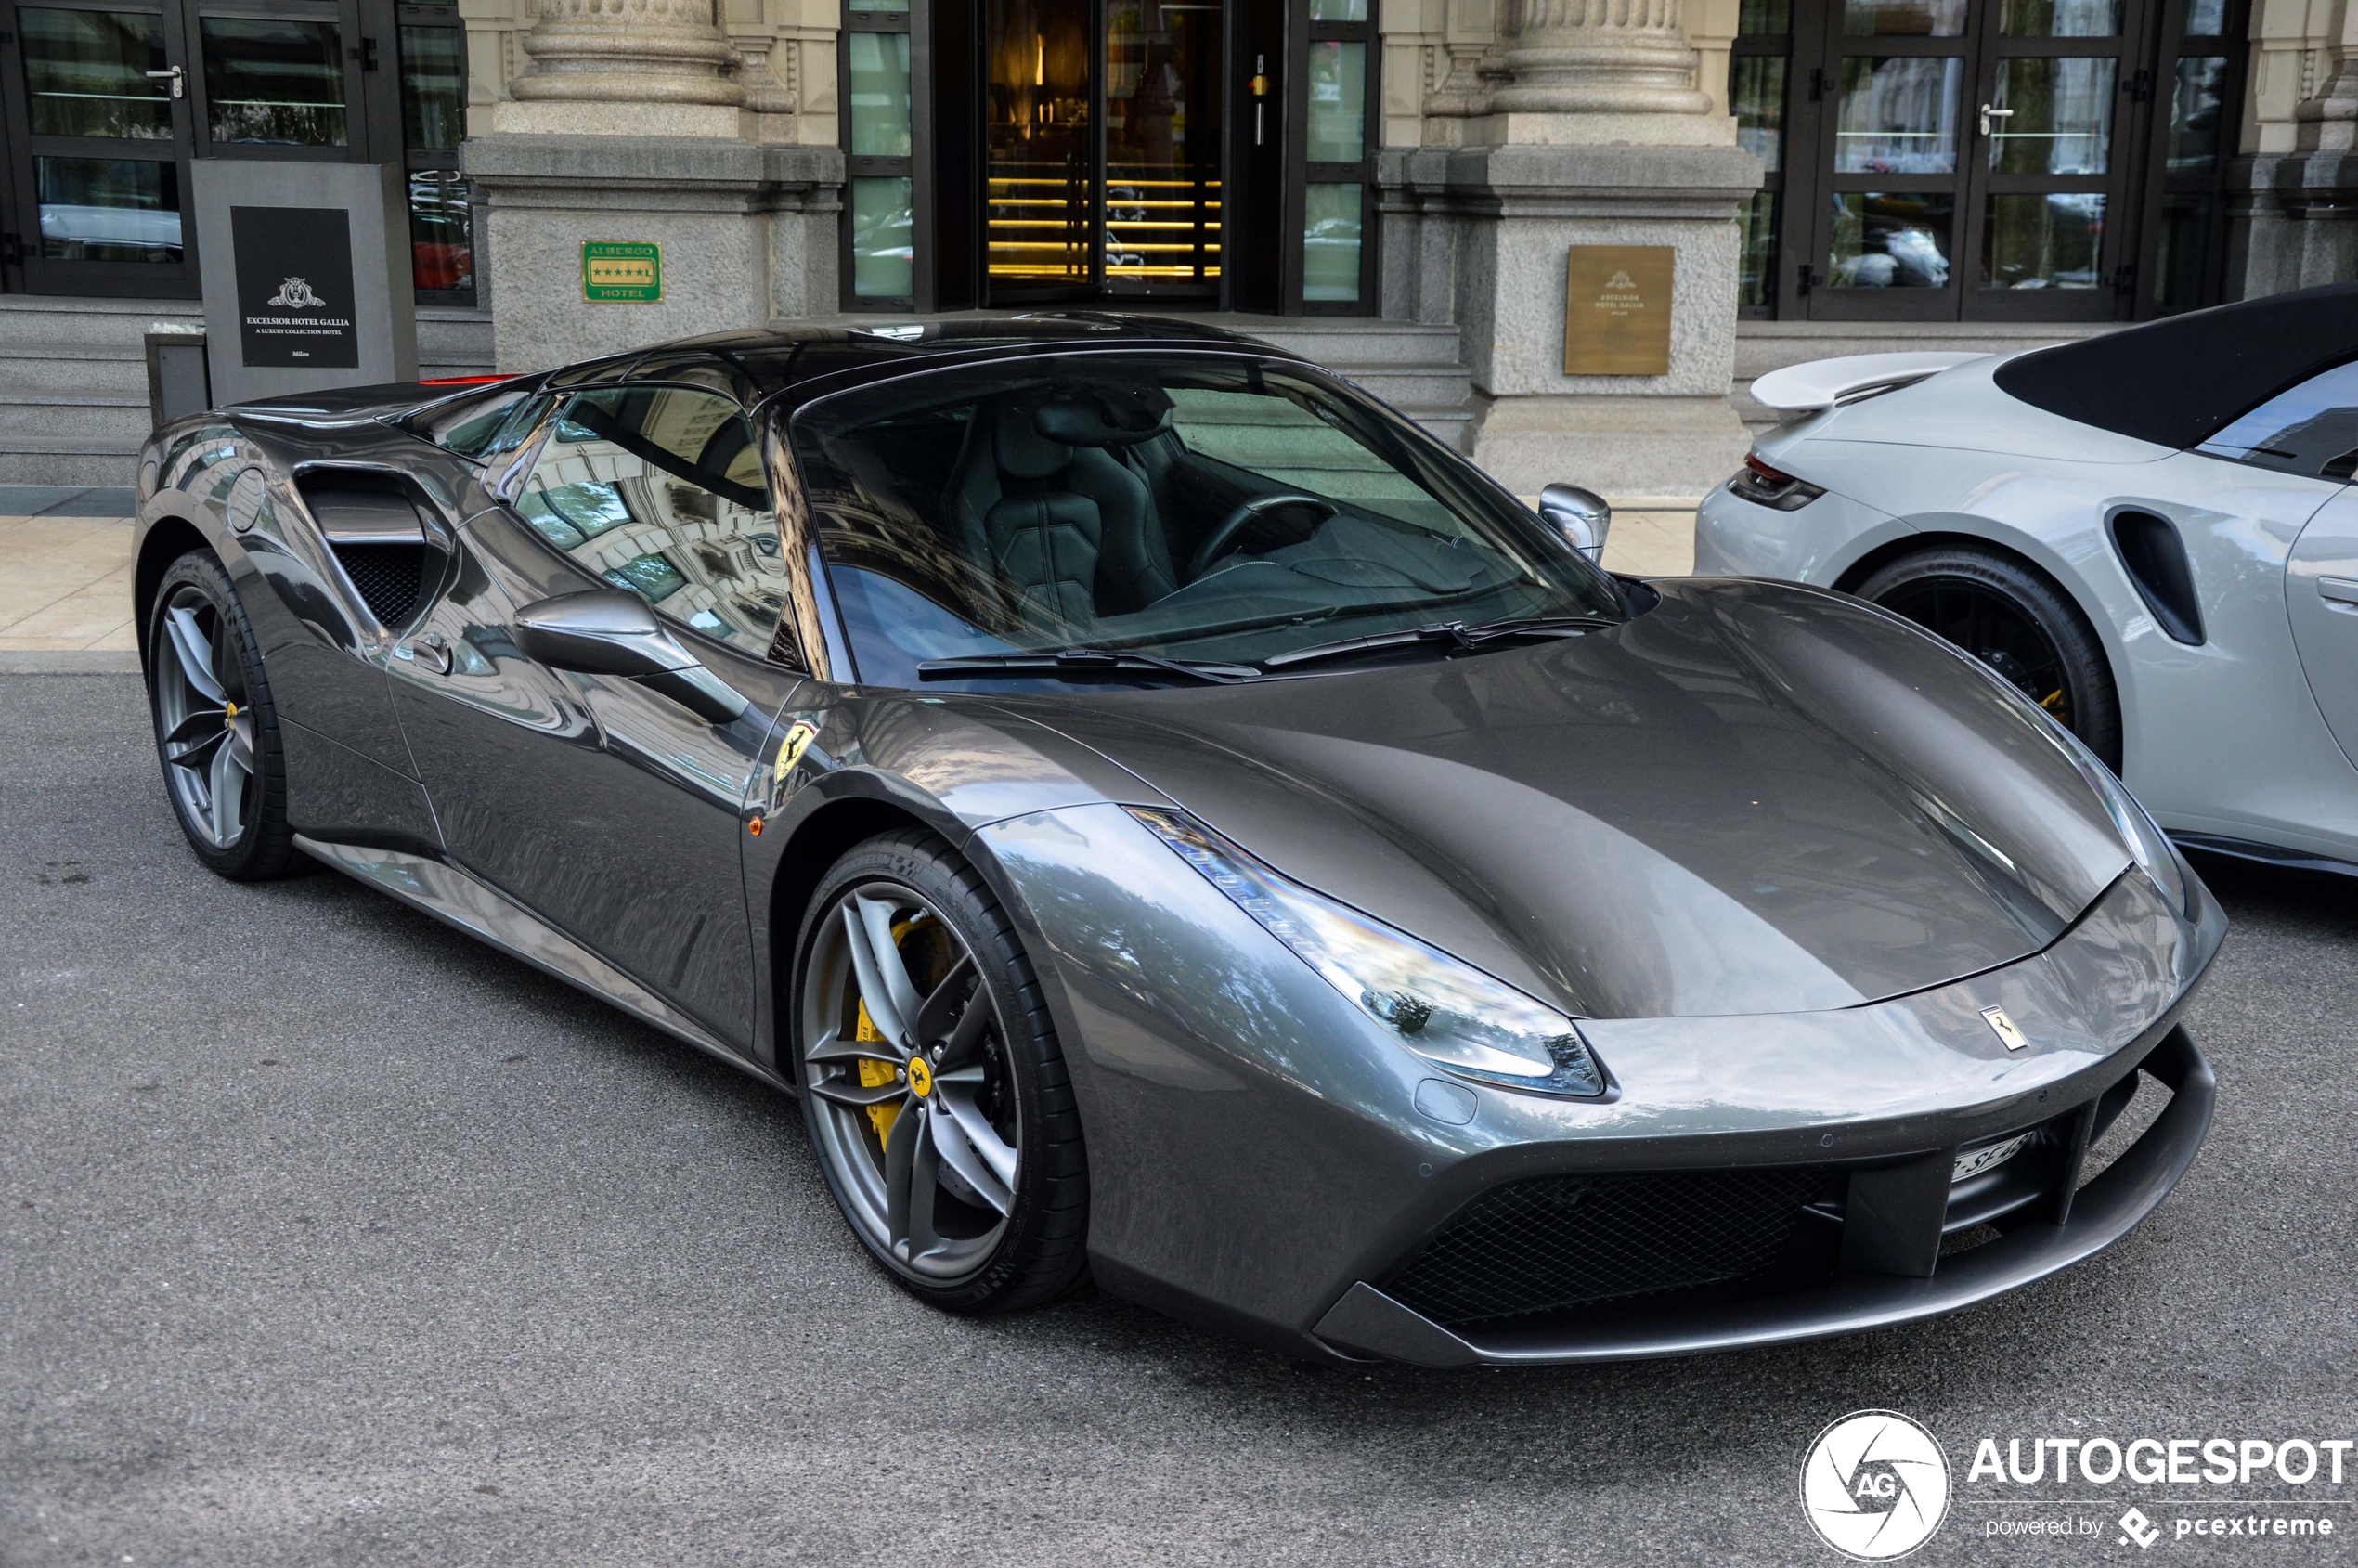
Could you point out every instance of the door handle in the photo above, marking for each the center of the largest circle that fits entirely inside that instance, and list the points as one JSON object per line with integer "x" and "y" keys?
{"x": 1987, "y": 114}
{"x": 177, "y": 77}
{"x": 2341, "y": 590}
{"x": 428, "y": 650}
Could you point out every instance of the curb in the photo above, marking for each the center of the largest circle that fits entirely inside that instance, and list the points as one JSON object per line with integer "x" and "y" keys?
{"x": 69, "y": 661}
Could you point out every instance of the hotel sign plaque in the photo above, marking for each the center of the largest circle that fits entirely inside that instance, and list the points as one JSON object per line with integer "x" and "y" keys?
{"x": 1617, "y": 310}
{"x": 621, "y": 272}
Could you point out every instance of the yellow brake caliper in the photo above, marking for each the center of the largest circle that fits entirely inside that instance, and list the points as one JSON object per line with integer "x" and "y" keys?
{"x": 876, "y": 1074}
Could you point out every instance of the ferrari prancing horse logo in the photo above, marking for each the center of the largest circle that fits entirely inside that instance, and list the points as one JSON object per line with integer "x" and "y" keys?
{"x": 2003, "y": 1027}
{"x": 798, "y": 738}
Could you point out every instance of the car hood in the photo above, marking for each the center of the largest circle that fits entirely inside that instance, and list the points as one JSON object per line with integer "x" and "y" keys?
{"x": 1753, "y": 798}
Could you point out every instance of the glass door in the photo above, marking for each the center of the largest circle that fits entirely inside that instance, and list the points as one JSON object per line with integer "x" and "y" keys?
{"x": 97, "y": 103}
{"x": 1968, "y": 167}
{"x": 1895, "y": 87}
{"x": 2043, "y": 232}
{"x": 1101, "y": 148}
{"x": 2198, "y": 106}
{"x": 1161, "y": 195}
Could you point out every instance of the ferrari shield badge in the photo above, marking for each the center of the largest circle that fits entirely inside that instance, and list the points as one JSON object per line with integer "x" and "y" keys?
{"x": 2003, "y": 1027}
{"x": 790, "y": 751}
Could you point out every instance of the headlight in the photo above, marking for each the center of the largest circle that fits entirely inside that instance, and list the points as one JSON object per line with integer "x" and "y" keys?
{"x": 1449, "y": 1013}
{"x": 2149, "y": 846}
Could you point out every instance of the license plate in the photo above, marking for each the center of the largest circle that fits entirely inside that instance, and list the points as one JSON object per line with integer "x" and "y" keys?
{"x": 1989, "y": 1157}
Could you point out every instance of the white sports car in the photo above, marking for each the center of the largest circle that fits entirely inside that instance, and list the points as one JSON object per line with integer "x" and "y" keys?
{"x": 2153, "y": 533}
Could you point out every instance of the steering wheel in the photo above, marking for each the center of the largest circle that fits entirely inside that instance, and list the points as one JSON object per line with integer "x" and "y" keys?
{"x": 1223, "y": 539}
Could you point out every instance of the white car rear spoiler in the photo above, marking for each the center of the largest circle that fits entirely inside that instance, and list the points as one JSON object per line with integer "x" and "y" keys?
{"x": 1822, "y": 383}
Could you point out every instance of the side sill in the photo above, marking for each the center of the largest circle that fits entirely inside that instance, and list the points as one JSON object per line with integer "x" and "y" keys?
{"x": 472, "y": 905}
{"x": 2262, "y": 854}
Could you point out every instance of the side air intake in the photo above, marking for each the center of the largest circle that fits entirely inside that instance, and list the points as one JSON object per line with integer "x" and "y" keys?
{"x": 2154, "y": 558}
{"x": 378, "y": 536}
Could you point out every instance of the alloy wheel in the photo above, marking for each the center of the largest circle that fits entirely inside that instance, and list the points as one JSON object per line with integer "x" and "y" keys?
{"x": 206, "y": 724}
{"x": 1993, "y": 629}
{"x": 903, "y": 1057}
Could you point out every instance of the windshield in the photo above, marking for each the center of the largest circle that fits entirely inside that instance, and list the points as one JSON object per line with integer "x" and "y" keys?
{"x": 1195, "y": 507}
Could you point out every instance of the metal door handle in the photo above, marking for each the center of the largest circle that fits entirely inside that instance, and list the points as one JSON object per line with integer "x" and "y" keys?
{"x": 428, "y": 650}
{"x": 178, "y": 78}
{"x": 2341, "y": 590}
{"x": 1987, "y": 114}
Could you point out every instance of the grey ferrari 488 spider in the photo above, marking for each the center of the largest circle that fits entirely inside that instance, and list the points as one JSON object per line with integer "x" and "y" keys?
{"x": 1168, "y": 818}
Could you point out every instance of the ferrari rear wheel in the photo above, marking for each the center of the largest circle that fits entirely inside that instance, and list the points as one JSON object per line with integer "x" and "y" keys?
{"x": 2015, "y": 621}
{"x": 216, "y": 730}
{"x": 932, "y": 1082}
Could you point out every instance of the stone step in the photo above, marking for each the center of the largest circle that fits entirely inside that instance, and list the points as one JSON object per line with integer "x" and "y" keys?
{"x": 1447, "y": 425}
{"x": 1332, "y": 340}
{"x": 118, "y": 416}
{"x": 1405, "y": 386}
{"x": 39, "y": 368}
{"x": 66, "y": 459}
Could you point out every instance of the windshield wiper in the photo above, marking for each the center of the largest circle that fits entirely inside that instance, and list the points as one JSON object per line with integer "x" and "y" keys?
{"x": 1456, "y": 636}
{"x": 1081, "y": 663}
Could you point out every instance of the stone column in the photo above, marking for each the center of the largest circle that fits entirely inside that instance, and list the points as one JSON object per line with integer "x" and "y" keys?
{"x": 634, "y": 68}
{"x": 1594, "y": 70}
{"x": 1589, "y": 130}
{"x": 632, "y": 125}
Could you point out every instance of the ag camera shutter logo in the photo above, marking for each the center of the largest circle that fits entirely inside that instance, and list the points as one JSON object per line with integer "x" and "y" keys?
{"x": 1875, "y": 1486}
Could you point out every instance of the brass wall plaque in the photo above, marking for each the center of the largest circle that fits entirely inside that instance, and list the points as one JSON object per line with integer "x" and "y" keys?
{"x": 1617, "y": 310}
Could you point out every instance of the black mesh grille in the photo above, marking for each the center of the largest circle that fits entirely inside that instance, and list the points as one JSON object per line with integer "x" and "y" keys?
{"x": 387, "y": 577}
{"x": 1563, "y": 1241}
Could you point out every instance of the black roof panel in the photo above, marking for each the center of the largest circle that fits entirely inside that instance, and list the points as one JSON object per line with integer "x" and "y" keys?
{"x": 769, "y": 360}
{"x": 2180, "y": 381}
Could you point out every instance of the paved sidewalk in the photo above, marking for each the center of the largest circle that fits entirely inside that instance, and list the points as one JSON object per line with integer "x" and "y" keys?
{"x": 65, "y": 573}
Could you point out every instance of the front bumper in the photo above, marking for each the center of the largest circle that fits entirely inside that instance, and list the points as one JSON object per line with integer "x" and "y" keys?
{"x": 1368, "y": 1322}
{"x": 1265, "y": 1161}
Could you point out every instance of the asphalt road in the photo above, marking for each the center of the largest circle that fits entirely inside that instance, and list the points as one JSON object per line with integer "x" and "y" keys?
{"x": 327, "y": 1236}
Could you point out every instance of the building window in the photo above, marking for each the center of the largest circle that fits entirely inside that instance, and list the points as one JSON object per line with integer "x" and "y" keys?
{"x": 880, "y": 230}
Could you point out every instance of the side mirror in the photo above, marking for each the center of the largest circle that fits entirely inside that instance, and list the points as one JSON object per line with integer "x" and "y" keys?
{"x": 608, "y": 632}
{"x": 1581, "y": 516}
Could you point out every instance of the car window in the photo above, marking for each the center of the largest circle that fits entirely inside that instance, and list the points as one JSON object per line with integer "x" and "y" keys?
{"x": 1195, "y": 506}
{"x": 2312, "y": 431}
{"x": 660, "y": 489}
{"x": 482, "y": 424}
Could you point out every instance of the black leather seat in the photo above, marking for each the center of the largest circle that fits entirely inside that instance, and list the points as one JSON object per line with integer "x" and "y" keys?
{"x": 1070, "y": 525}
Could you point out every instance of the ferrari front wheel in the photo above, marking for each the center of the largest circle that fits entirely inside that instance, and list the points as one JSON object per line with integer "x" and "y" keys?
{"x": 216, "y": 730}
{"x": 2014, "y": 620}
{"x": 932, "y": 1082}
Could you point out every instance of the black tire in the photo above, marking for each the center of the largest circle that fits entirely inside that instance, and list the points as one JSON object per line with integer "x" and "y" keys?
{"x": 1037, "y": 1253}
{"x": 2012, "y": 618}
{"x": 263, "y": 844}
